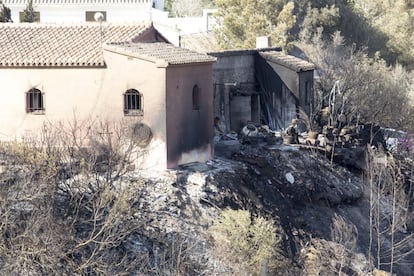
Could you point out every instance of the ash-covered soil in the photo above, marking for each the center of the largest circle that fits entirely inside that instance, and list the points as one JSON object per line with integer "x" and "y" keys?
{"x": 300, "y": 189}
{"x": 162, "y": 226}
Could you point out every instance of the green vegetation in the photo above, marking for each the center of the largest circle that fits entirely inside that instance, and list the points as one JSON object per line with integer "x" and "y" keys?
{"x": 379, "y": 26}
{"x": 252, "y": 243}
{"x": 241, "y": 21}
{"x": 368, "y": 90}
{"x": 29, "y": 14}
{"x": 5, "y": 14}
{"x": 385, "y": 27}
{"x": 183, "y": 8}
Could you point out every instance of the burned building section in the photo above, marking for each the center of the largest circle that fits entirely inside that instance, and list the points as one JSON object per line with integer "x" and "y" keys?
{"x": 236, "y": 91}
{"x": 286, "y": 84}
{"x": 261, "y": 87}
{"x": 189, "y": 113}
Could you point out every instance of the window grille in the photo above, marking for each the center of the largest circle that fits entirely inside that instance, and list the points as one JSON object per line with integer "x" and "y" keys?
{"x": 34, "y": 101}
{"x": 132, "y": 102}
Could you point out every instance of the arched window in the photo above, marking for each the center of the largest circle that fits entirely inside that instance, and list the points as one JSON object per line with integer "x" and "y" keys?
{"x": 196, "y": 98}
{"x": 132, "y": 102}
{"x": 34, "y": 101}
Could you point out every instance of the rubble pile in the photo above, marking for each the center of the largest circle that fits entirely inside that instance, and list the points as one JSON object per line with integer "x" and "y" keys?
{"x": 314, "y": 179}
{"x": 344, "y": 145}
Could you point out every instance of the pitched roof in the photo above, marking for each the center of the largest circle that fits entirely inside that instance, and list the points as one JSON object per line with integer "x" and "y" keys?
{"x": 163, "y": 54}
{"x": 60, "y": 45}
{"x": 76, "y": 2}
{"x": 291, "y": 62}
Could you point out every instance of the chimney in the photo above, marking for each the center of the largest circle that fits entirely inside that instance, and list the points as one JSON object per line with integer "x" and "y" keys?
{"x": 262, "y": 42}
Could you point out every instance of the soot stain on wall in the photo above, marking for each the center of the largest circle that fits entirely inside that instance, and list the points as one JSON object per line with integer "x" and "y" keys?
{"x": 188, "y": 129}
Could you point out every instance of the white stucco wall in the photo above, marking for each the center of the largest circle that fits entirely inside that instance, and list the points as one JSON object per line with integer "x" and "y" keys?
{"x": 172, "y": 27}
{"x": 149, "y": 80}
{"x": 65, "y": 13}
{"x": 88, "y": 94}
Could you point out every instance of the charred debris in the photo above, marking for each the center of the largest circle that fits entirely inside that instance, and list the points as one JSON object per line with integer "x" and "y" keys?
{"x": 344, "y": 145}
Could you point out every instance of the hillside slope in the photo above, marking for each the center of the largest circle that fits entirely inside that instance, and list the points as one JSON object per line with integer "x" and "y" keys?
{"x": 160, "y": 224}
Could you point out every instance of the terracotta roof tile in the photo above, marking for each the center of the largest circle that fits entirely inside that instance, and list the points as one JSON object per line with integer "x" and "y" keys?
{"x": 160, "y": 52}
{"x": 74, "y": 45}
{"x": 288, "y": 61}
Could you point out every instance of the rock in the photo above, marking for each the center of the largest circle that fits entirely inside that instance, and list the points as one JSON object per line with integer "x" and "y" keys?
{"x": 289, "y": 177}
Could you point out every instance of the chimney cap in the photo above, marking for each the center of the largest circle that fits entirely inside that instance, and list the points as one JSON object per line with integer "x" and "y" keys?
{"x": 262, "y": 42}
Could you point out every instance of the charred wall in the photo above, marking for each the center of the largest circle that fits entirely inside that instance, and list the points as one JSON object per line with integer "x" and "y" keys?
{"x": 285, "y": 90}
{"x": 189, "y": 127}
{"x": 234, "y": 78}
{"x": 250, "y": 88}
{"x": 278, "y": 102}
{"x": 306, "y": 96}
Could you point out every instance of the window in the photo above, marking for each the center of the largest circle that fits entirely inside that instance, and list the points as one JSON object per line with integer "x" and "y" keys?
{"x": 90, "y": 16}
{"x": 308, "y": 92}
{"x": 196, "y": 98}
{"x": 133, "y": 102}
{"x": 34, "y": 101}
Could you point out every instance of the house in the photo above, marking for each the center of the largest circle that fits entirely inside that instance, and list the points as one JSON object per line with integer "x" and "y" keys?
{"x": 69, "y": 11}
{"x": 49, "y": 72}
{"x": 262, "y": 86}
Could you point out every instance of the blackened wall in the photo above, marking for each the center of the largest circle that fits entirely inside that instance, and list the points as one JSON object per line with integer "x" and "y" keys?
{"x": 306, "y": 91}
{"x": 189, "y": 130}
{"x": 278, "y": 100}
{"x": 233, "y": 72}
{"x": 245, "y": 73}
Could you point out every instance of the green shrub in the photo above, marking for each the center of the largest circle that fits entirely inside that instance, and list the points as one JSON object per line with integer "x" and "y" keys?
{"x": 251, "y": 245}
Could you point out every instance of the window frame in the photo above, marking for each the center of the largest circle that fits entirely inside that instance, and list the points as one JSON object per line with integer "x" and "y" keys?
{"x": 196, "y": 97}
{"x": 308, "y": 92}
{"x": 35, "y": 102}
{"x": 132, "y": 97}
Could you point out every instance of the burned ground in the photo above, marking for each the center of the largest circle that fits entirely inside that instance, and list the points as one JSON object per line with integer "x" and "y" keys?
{"x": 163, "y": 219}
{"x": 306, "y": 207}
